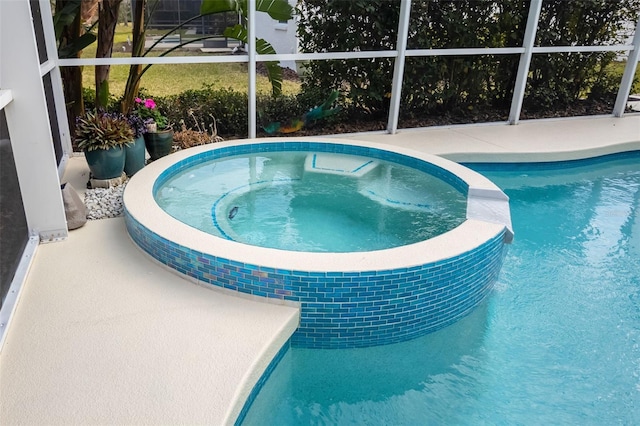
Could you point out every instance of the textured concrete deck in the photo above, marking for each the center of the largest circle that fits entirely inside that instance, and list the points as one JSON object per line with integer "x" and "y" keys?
{"x": 529, "y": 141}
{"x": 103, "y": 335}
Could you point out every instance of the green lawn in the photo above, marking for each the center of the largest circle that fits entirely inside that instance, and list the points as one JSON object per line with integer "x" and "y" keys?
{"x": 163, "y": 80}
{"x": 617, "y": 69}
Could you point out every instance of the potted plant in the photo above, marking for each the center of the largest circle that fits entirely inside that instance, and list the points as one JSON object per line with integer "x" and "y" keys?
{"x": 159, "y": 136}
{"x": 102, "y": 137}
{"x": 135, "y": 152}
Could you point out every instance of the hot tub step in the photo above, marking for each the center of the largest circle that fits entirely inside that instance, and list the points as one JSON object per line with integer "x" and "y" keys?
{"x": 339, "y": 164}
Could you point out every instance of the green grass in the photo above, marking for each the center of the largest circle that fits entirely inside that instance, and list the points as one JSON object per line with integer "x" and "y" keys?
{"x": 171, "y": 79}
{"x": 164, "y": 80}
{"x": 617, "y": 69}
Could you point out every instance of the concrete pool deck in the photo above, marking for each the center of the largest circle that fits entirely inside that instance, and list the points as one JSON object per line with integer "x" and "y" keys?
{"x": 103, "y": 335}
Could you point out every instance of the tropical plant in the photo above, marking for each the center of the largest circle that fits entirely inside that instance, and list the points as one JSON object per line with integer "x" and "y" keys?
{"x": 147, "y": 110}
{"x": 72, "y": 36}
{"x": 277, "y": 9}
{"x": 102, "y": 130}
{"x": 280, "y": 10}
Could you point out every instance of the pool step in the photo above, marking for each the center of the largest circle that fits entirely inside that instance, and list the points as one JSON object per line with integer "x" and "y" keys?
{"x": 339, "y": 164}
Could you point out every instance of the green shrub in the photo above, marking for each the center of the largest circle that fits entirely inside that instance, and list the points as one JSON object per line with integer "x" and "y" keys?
{"x": 89, "y": 98}
{"x": 277, "y": 109}
{"x": 614, "y": 71}
{"x": 456, "y": 85}
{"x": 559, "y": 80}
{"x": 228, "y": 107}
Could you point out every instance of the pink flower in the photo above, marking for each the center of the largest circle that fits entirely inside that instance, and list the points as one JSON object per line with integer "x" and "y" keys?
{"x": 149, "y": 103}
{"x": 138, "y": 100}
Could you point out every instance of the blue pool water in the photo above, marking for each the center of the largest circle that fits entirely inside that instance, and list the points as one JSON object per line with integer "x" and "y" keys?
{"x": 314, "y": 202}
{"x": 558, "y": 341}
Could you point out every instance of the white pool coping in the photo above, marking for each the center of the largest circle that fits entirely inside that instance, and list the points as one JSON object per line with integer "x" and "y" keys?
{"x": 103, "y": 335}
{"x": 487, "y": 216}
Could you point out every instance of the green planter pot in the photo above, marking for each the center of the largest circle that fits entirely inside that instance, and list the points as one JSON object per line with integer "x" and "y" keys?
{"x": 158, "y": 143}
{"x": 106, "y": 163}
{"x": 134, "y": 156}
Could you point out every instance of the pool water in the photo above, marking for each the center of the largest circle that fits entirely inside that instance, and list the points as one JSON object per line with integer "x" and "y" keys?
{"x": 558, "y": 341}
{"x": 301, "y": 201}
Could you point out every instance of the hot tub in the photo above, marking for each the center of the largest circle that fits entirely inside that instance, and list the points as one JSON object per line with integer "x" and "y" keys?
{"x": 347, "y": 299}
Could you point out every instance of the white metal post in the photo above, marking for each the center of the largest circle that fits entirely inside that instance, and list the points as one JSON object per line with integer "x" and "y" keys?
{"x": 627, "y": 77}
{"x": 251, "y": 39}
{"x": 398, "y": 67}
{"x": 56, "y": 83}
{"x": 28, "y": 123}
{"x": 525, "y": 61}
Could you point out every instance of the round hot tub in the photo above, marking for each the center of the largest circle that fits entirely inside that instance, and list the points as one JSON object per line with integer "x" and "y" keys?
{"x": 375, "y": 244}
{"x": 312, "y": 201}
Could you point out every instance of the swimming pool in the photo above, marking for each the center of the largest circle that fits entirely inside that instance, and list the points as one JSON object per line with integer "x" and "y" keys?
{"x": 557, "y": 342}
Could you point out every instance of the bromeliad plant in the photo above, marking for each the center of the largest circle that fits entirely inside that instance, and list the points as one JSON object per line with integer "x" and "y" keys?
{"x": 103, "y": 137}
{"x": 101, "y": 130}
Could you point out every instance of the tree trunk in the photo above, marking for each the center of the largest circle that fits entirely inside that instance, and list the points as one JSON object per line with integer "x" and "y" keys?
{"x": 108, "y": 20}
{"x": 133, "y": 80}
{"x": 71, "y": 76}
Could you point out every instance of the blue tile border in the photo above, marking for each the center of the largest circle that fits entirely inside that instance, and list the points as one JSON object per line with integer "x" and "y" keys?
{"x": 356, "y": 309}
{"x": 394, "y": 157}
{"x": 549, "y": 165}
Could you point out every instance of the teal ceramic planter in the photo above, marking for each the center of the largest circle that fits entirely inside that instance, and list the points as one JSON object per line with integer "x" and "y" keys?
{"x": 134, "y": 156}
{"x": 158, "y": 143}
{"x": 106, "y": 163}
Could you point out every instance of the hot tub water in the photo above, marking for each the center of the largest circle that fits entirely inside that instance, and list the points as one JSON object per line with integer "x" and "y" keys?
{"x": 310, "y": 202}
